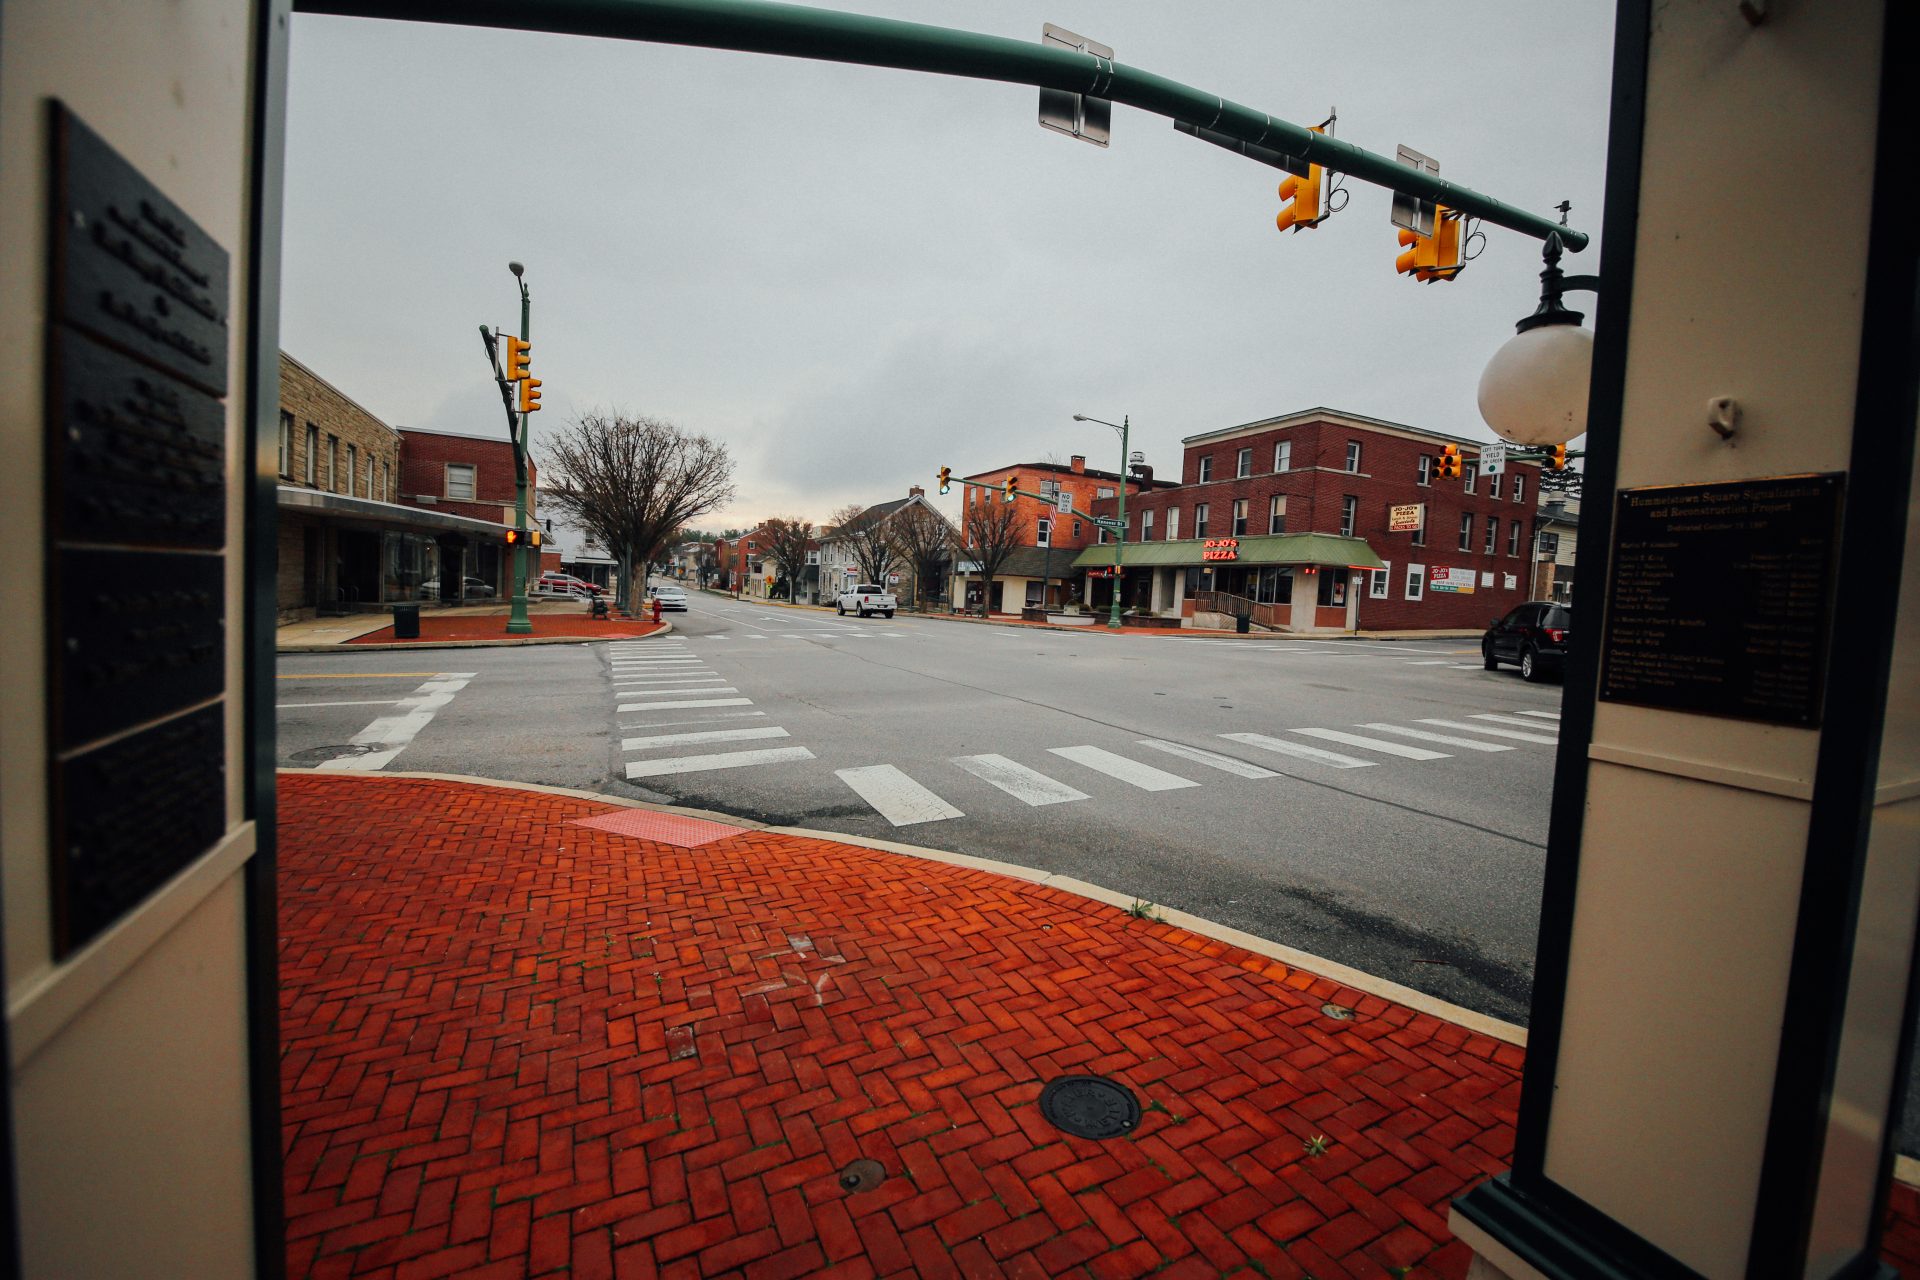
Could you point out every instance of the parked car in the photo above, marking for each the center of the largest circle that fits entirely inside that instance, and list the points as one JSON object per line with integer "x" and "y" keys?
{"x": 470, "y": 588}
{"x": 555, "y": 583}
{"x": 867, "y": 598}
{"x": 1535, "y": 635}
{"x": 671, "y": 598}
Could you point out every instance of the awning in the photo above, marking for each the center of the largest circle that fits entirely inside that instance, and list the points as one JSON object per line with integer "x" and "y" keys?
{"x": 365, "y": 513}
{"x": 1278, "y": 549}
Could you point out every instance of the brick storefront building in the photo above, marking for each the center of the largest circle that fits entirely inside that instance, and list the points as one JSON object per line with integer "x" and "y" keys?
{"x": 1297, "y": 510}
{"x": 465, "y": 475}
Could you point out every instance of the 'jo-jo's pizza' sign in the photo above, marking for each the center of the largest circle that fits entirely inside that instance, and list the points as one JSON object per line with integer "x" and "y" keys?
{"x": 1221, "y": 549}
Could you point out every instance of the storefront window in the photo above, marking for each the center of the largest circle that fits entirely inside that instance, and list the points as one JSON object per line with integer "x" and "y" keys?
{"x": 410, "y": 568}
{"x": 1333, "y": 587}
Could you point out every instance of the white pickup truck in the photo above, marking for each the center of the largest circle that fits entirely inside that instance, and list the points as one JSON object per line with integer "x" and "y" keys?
{"x": 865, "y": 599}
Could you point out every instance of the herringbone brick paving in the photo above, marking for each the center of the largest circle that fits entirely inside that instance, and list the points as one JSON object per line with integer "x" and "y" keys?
{"x": 519, "y": 1047}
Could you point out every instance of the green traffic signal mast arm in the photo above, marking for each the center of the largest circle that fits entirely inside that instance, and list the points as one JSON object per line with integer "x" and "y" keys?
{"x": 1022, "y": 493}
{"x": 795, "y": 31}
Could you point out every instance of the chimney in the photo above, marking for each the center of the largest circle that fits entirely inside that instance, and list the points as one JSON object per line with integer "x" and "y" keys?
{"x": 1078, "y": 462}
{"x": 916, "y": 492}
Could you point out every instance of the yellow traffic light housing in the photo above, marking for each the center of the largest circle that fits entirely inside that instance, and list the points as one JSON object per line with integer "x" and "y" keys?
{"x": 1450, "y": 456}
{"x": 1434, "y": 257}
{"x": 946, "y": 474}
{"x": 1418, "y": 259}
{"x": 529, "y": 395}
{"x": 519, "y": 358}
{"x": 1559, "y": 459}
{"x": 1013, "y": 482}
{"x": 1303, "y": 195}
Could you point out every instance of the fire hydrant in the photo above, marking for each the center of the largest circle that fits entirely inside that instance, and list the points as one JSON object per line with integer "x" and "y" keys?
{"x": 656, "y": 608}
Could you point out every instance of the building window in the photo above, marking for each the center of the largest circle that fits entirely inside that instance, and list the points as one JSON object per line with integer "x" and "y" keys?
{"x": 1239, "y": 517}
{"x": 312, "y": 469}
{"x": 1349, "y": 511}
{"x": 1493, "y": 534}
{"x": 286, "y": 444}
{"x": 1426, "y": 468}
{"x": 1549, "y": 546}
{"x": 1102, "y": 492}
{"x": 1283, "y": 456}
{"x": 1206, "y": 470}
{"x": 1101, "y": 533}
{"x": 1353, "y": 455}
{"x": 1471, "y": 468}
{"x": 1173, "y": 523}
{"x": 1146, "y": 526}
{"x": 460, "y": 483}
{"x": 333, "y": 463}
{"x": 1466, "y": 531}
{"x": 1378, "y": 588}
{"x": 1049, "y": 488}
{"x": 386, "y": 482}
{"x": 1277, "y": 513}
{"x": 353, "y": 466}
{"x": 370, "y": 488}
{"x": 1045, "y": 535}
{"x": 1419, "y": 538}
{"x": 1416, "y": 581}
{"x": 1076, "y": 528}
{"x": 1513, "y": 538}
{"x": 1519, "y": 486}
{"x": 1200, "y": 520}
{"x": 1243, "y": 464}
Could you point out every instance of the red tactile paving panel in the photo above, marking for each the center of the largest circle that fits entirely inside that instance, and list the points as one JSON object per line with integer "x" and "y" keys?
{"x": 663, "y": 828}
{"x": 519, "y": 1046}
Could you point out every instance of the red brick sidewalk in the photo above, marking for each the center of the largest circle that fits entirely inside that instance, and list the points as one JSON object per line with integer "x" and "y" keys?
{"x": 519, "y": 1046}
{"x": 494, "y": 627}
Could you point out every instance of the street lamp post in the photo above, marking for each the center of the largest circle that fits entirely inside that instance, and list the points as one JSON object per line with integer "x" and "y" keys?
{"x": 518, "y": 623}
{"x": 1120, "y": 537}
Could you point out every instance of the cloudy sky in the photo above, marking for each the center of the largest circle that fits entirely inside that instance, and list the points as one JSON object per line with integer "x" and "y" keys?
{"x": 853, "y": 276}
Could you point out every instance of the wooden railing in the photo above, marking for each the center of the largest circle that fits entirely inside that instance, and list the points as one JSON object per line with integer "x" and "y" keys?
{"x": 1273, "y": 616}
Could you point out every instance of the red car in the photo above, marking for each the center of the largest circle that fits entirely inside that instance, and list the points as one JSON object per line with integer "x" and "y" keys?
{"x": 555, "y": 583}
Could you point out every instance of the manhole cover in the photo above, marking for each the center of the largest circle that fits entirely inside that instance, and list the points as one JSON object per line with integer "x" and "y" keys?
{"x": 1090, "y": 1106}
{"x": 1338, "y": 1012}
{"x": 862, "y": 1175}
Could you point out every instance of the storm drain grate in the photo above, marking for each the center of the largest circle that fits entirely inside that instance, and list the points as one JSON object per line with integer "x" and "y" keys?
{"x": 1090, "y": 1106}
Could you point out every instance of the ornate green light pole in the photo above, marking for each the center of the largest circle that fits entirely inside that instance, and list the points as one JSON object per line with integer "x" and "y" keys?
{"x": 518, "y": 623}
{"x": 1120, "y": 538}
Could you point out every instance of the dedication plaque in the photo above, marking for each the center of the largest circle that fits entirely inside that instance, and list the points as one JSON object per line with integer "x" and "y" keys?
{"x": 1722, "y": 596}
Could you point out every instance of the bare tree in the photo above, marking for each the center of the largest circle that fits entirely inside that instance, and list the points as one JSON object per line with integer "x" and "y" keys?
{"x": 923, "y": 541}
{"x": 631, "y": 482}
{"x": 788, "y": 540}
{"x": 869, "y": 540}
{"x": 990, "y": 533}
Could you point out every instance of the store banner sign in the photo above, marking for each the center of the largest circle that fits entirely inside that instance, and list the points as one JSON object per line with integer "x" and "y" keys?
{"x": 1221, "y": 549}
{"x": 1458, "y": 581}
{"x": 1409, "y": 517}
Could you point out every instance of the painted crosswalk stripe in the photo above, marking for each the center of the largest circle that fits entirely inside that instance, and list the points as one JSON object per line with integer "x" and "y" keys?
{"x": 1512, "y": 720}
{"x": 1299, "y": 751}
{"x": 1431, "y": 662}
{"x": 720, "y": 760}
{"x": 690, "y": 702}
{"x": 1373, "y": 744}
{"x": 1131, "y": 772}
{"x": 647, "y": 681}
{"x": 1226, "y": 764}
{"x": 707, "y": 735}
{"x": 655, "y": 692}
{"x": 1492, "y": 732}
{"x": 394, "y": 733}
{"x": 1018, "y": 781}
{"x": 712, "y": 719}
{"x": 895, "y": 796}
{"x": 894, "y": 635}
{"x": 1445, "y": 740}
{"x": 1543, "y": 715}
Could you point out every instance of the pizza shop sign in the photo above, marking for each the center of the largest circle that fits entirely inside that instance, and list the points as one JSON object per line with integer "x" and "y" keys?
{"x": 1221, "y": 549}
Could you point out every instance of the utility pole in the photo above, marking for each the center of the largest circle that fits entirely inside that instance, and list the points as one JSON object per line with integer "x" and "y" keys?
{"x": 1120, "y": 538}
{"x": 518, "y": 623}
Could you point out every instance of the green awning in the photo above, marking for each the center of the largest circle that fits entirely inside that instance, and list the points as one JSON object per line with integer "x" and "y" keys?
{"x": 1281, "y": 548}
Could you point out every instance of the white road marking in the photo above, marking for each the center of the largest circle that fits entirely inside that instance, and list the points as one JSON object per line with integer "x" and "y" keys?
{"x": 371, "y": 702}
{"x": 1512, "y": 720}
{"x": 1431, "y": 662}
{"x": 1543, "y": 715}
{"x": 753, "y": 637}
{"x": 1466, "y": 666}
{"x": 394, "y": 733}
{"x": 723, "y": 715}
{"x": 691, "y": 702}
{"x": 655, "y": 692}
{"x": 1444, "y": 740}
{"x": 895, "y": 796}
{"x": 721, "y": 760}
{"x": 1298, "y": 751}
{"x": 1226, "y": 764}
{"x": 1131, "y": 772}
{"x": 711, "y": 735}
{"x": 1374, "y": 744}
{"x": 675, "y": 661}
{"x": 894, "y": 635}
{"x": 649, "y": 681}
{"x": 1492, "y": 732}
{"x": 1018, "y": 781}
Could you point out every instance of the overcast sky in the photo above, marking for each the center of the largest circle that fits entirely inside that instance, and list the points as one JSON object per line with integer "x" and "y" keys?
{"x": 853, "y": 276}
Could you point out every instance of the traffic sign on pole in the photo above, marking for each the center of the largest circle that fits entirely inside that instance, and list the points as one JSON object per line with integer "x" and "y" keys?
{"x": 1063, "y": 502}
{"x": 1493, "y": 458}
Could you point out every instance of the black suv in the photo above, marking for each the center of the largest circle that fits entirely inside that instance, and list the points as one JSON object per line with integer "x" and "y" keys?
{"x": 1535, "y": 635}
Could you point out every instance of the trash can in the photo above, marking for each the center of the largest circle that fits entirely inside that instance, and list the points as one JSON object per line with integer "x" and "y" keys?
{"x": 406, "y": 622}
{"x": 1243, "y": 623}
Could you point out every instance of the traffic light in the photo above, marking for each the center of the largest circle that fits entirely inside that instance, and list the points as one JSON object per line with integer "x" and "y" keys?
{"x": 946, "y": 474}
{"x": 529, "y": 394}
{"x": 1304, "y": 195}
{"x": 1013, "y": 482}
{"x": 1558, "y": 458}
{"x": 519, "y": 358}
{"x": 516, "y": 538}
{"x": 1450, "y": 456}
{"x": 1434, "y": 257}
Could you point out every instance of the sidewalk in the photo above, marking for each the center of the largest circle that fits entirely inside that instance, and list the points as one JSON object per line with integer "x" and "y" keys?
{"x": 554, "y": 622}
{"x": 530, "y": 1034}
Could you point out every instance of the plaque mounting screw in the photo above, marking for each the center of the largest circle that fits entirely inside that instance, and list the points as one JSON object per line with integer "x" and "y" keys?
{"x": 1723, "y": 415}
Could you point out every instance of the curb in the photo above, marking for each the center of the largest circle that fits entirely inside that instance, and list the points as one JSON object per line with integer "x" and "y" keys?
{"x": 1317, "y": 965}
{"x": 347, "y": 646}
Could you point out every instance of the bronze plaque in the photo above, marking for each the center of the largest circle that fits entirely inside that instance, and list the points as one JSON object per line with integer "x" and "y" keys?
{"x": 130, "y": 815}
{"x": 133, "y": 457}
{"x": 1722, "y": 596}
{"x": 137, "y": 635}
{"x": 129, "y": 267}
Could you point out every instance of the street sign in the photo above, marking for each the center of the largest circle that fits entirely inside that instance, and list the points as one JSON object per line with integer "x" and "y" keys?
{"x": 1110, "y": 524}
{"x": 1493, "y": 458}
{"x": 1411, "y": 212}
{"x": 1063, "y": 502}
{"x": 893, "y": 579}
{"x": 1078, "y": 115}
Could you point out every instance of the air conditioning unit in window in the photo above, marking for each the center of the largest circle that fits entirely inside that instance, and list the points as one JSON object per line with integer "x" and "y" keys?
{"x": 426, "y": 499}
